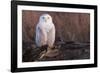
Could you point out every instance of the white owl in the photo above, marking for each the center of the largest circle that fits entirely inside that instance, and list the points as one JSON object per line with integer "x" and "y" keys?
{"x": 45, "y": 31}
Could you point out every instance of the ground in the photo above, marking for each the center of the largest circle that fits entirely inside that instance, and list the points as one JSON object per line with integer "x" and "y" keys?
{"x": 64, "y": 51}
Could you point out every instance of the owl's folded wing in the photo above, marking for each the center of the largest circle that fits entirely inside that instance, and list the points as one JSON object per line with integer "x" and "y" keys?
{"x": 42, "y": 37}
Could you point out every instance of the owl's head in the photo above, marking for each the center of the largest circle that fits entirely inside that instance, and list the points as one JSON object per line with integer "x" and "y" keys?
{"x": 45, "y": 18}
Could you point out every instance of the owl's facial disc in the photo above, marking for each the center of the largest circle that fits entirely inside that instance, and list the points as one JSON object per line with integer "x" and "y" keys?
{"x": 46, "y": 18}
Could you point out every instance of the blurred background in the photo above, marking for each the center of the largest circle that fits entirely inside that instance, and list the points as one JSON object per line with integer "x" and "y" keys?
{"x": 69, "y": 26}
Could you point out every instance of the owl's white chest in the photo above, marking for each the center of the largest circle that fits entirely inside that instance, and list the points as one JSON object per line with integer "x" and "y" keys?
{"x": 47, "y": 27}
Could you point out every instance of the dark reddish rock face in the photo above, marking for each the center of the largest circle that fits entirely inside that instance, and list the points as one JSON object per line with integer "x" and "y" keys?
{"x": 70, "y": 28}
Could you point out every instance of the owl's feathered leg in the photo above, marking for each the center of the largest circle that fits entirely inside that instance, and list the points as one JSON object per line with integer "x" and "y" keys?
{"x": 51, "y": 37}
{"x": 50, "y": 41}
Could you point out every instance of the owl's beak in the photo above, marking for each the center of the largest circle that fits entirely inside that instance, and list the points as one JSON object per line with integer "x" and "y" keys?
{"x": 45, "y": 20}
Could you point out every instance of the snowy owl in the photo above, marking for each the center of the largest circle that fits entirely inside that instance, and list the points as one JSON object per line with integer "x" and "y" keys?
{"x": 45, "y": 31}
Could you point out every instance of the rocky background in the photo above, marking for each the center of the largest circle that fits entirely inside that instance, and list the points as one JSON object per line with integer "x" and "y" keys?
{"x": 72, "y": 36}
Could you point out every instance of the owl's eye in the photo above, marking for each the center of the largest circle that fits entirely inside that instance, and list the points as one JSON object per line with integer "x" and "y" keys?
{"x": 43, "y": 17}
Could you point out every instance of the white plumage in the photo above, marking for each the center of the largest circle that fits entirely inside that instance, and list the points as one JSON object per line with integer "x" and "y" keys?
{"x": 45, "y": 31}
